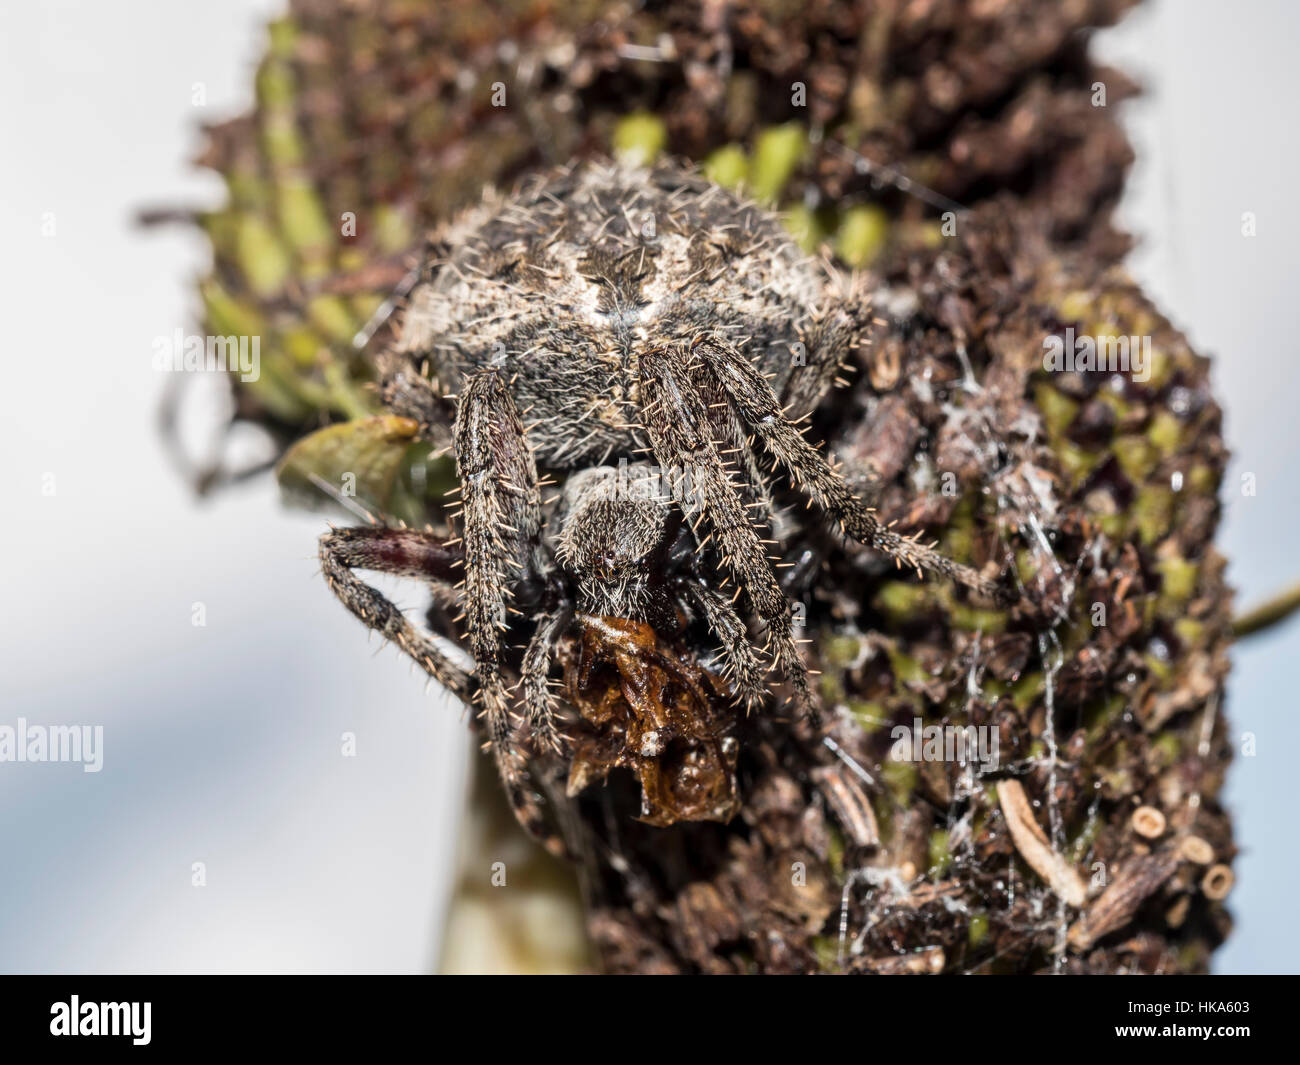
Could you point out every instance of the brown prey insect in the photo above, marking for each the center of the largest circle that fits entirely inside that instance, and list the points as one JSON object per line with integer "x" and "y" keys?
{"x": 605, "y": 314}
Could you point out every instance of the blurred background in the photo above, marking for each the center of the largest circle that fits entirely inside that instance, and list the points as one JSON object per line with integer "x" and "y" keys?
{"x": 225, "y": 743}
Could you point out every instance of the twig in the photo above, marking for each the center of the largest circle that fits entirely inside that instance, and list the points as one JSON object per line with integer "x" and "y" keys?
{"x": 1267, "y": 614}
{"x": 1031, "y": 842}
{"x": 1119, "y": 902}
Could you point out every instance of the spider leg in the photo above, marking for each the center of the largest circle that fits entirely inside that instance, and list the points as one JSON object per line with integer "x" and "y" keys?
{"x": 743, "y": 668}
{"x": 502, "y": 522}
{"x": 835, "y": 333}
{"x": 535, "y": 671}
{"x": 406, "y": 553}
{"x": 676, "y": 419}
{"x": 758, "y": 406}
{"x": 405, "y": 391}
{"x": 731, "y": 440}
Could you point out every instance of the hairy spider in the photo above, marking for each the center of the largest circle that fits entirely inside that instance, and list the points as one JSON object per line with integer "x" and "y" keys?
{"x": 625, "y": 313}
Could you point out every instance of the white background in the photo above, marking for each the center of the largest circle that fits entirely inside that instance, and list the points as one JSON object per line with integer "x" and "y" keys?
{"x": 222, "y": 743}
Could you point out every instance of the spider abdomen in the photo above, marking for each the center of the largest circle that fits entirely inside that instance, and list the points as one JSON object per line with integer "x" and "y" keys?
{"x": 564, "y": 284}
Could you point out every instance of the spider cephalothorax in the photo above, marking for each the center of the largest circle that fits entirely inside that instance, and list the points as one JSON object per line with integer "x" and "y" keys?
{"x": 615, "y": 539}
{"x": 605, "y": 314}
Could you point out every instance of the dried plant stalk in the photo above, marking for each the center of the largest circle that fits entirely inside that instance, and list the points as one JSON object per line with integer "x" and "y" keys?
{"x": 1031, "y": 842}
{"x": 840, "y": 856}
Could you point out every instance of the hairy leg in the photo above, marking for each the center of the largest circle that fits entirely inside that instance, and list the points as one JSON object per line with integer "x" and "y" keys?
{"x": 410, "y": 553}
{"x": 538, "y": 698}
{"x": 405, "y": 391}
{"x": 502, "y": 521}
{"x": 835, "y": 333}
{"x": 730, "y": 438}
{"x": 742, "y": 665}
{"x": 676, "y": 419}
{"x": 758, "y": 406}
{"x": 404, "y": 553}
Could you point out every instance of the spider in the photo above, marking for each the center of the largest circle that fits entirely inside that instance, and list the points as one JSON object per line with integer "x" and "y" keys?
{"x": 629, "y": 315}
